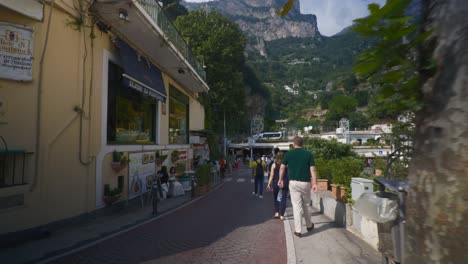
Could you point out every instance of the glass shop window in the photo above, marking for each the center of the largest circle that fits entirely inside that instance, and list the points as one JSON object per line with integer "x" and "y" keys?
{"x": 131, "y": 115}
{"x": 178, "y": 117}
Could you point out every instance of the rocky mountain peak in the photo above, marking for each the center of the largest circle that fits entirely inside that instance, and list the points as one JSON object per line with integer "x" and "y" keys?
{"x": 258, "y": 18}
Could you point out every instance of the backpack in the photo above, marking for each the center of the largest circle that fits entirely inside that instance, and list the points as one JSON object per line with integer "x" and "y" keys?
{"x": 259, "y": 169}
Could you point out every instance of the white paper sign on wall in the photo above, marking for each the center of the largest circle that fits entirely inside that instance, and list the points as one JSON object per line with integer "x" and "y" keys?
{"x": 16, "y": 52}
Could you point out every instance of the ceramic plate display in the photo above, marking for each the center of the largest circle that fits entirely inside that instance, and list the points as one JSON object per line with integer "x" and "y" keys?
{"x": 152, "y": 157}
{"x": 136, "y": 186}
{"x": 146, "y": 158}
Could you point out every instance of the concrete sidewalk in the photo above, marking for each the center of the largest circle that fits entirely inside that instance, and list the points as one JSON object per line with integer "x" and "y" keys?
{"x": 326, "y": 244}
{"x": 88, "y": 229}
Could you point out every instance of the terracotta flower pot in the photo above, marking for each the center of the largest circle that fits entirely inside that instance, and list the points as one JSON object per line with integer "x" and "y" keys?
{"x": 322, "y": 185}
{"x": 335, "y": 191}
{"x": 109, "y": 200}
{"x": 342, "y": 196}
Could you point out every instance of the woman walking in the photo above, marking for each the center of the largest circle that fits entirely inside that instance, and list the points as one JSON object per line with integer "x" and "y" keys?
{"x": 279, "y": 202}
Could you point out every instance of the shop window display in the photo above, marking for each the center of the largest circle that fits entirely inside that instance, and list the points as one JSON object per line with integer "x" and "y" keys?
{"x": 131, "y": 114}
{"x": 178, "y": 117}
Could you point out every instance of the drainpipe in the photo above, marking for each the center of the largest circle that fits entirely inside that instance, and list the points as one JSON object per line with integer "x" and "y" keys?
{"x": 39, "y": 102}
{"x": 83, "y": 94}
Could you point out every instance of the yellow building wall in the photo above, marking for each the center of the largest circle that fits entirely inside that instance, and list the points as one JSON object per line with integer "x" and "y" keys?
{"x": 65, "y": 188}
{"x": 197, "y": 115}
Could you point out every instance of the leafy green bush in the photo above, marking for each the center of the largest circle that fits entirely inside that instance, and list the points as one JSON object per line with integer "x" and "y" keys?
{"x": 175, "y": 155}
{"x": 111, "y": 192}
{"x": 342, "y": 170}
{"x": 202, "y": 174}
{"x": 328, "y": 149}
{"x": 323, "y": 168}
{"x": 380, "y": 163}
{"x": 180, "y": 169}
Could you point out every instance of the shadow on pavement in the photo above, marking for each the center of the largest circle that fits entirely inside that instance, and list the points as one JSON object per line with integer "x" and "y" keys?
{"x": 320, "y": 227}
{"x": 232, "y": 207}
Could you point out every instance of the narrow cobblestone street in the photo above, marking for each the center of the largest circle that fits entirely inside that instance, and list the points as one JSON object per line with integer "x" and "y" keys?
{"x": 229, "y": 225}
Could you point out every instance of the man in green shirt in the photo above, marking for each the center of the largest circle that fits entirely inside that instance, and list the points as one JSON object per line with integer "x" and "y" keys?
{"x": 302, "y": 177}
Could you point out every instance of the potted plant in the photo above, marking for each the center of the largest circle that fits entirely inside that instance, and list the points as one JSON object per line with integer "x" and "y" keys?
{"x": 111, "y": 195}
{"x": 202, "y": 175}
{"x": 322, "y": 185}
{"x": 335, "y": 191}
{"x": 379, "y": 166}
{"x": 160, "y": 159}
{"x": 180, "y": 169}
{"x": 119, "y": 161}
{"x": 175, "y": 155}
{"x": 342, "y": 171}
{"x": 324, "y": 174}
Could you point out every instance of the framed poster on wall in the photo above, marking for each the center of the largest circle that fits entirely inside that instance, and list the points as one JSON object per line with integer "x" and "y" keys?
{"x": 140, "y": 172}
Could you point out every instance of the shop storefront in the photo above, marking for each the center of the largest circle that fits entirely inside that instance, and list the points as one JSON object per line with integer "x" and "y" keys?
{"x": 136, "y": 114}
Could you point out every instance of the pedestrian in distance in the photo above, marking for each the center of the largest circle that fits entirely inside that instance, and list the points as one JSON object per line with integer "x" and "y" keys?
{"x": 275, "y": 153}
{"x": 222, "y": 166}
{"x": 258, "y": 169}
{"x": 302, "y": 178}
{"x": 156, "y": 192}
{"x": 279, "y": 194}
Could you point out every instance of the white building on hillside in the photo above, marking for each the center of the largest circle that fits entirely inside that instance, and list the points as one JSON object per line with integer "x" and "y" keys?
{"x": 291, "y": 90}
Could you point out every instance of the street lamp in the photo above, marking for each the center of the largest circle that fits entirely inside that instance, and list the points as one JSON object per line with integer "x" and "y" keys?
{"x": 256, "y": 126}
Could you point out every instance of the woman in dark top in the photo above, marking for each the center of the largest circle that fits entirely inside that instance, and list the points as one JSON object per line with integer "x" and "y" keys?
{"x": 280, "y": 206}
{"x": 163, "y": 175}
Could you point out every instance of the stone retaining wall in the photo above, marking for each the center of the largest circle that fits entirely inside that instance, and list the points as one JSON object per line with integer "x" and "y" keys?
{"x": 345, "y": 216}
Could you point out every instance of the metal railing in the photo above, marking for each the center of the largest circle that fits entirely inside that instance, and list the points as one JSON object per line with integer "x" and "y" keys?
{"x": 12, "y": 167}
{"x": 156, "y": 12}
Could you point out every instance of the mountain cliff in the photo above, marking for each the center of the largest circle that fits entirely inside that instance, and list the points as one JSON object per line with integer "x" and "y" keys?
{"x": 258, "y": 18}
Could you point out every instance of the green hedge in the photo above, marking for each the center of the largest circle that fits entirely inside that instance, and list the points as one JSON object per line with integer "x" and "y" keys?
{"x": 323, "y": 169}
{"x": 203, "y": 173}
{"x": 328, "y": 149}
{"x": 342, "y": 170}
{"x": 339, "y": 171}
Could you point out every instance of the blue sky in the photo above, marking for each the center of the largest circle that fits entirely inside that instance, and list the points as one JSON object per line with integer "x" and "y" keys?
{"x": 332, "y": 15}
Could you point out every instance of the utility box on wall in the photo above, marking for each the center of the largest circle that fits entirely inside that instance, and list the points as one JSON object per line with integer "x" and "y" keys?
{"x": 360, "y": 186}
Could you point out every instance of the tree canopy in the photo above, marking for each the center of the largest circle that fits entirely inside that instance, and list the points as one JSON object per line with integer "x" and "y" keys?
{"x": 341, "y": 106}
{"x": 219, "y": 44}
{"x": 392, "y": 64}
{"x": 173, "y": 9}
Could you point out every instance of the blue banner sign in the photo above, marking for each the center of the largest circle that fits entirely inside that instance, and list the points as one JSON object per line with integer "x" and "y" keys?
{"x": 140, "y": 74}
